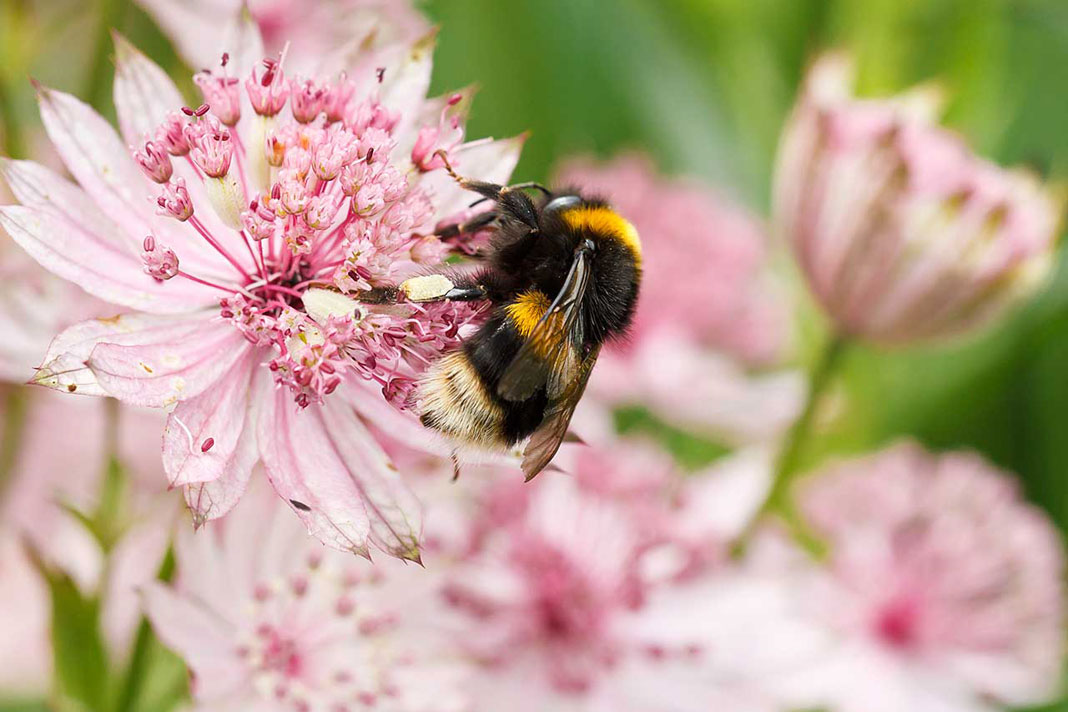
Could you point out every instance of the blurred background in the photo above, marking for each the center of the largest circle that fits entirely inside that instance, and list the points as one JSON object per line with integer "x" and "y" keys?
{"x": 703, "y": 87}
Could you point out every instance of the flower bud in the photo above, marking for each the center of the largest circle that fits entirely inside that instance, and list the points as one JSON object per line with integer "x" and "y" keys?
{"x": 902, "y": 232}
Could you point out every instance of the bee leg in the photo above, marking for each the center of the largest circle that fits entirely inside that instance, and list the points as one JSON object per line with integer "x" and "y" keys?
{"x": 466, "y": 228}
{"x": 528, "y": 185}
{"x": 511, "y": 201}
{"x": 378, "y": 295}
{"x": 455, "y": 466}
{"x": 472, "y": 293}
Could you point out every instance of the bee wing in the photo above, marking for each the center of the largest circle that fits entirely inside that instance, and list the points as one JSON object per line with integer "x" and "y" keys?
{"x": 546, "y": 439}
{"x": 552, "y": 351}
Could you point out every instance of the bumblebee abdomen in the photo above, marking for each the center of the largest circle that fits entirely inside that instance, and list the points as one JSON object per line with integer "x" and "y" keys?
{"x": 458, "y": 393}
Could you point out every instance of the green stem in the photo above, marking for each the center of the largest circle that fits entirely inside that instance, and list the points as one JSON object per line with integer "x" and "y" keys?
{"x": 14, "y": 423}
{"x": 779, "y": 500}
{"x": 13, "y": 146}
{"x": 134, "y": 680}
{"x": 110, "y": 12}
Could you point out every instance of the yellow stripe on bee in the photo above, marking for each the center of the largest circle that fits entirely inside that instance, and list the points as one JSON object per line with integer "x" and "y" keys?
{"x": 605, "y": 221}
{"x": 527, "y": 310}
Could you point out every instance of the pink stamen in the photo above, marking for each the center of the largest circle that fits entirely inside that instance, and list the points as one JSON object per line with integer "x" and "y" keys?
{"x": 221, "y": 250}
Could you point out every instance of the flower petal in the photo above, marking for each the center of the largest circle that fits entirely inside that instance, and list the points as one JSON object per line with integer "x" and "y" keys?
{"x": 208, "y": 437}
{"x": 306, "y": 470}
{"x": 196, "y": 32}
{"x": 405, "y": 84}
{"x": 401, "y": 427}
{"x": 396, "y": 516}
{"x": 202, "y": 638}
{"x": 144, "y": 94}
{"x": 64, "y": 369}
{"x": 169, "y": 360}
{"x": 98, "y": 160}
{"x": 242, "y": 41}
{"x": 486, "y": 160}
{"x": 328, "y": 465}
{"x": 97, "y": 265}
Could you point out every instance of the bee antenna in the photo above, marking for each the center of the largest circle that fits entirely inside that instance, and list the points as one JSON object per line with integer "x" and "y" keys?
{"x": 440, "y": 153}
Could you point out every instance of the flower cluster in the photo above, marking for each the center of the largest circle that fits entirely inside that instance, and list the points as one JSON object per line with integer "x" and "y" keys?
{"x": 219, "y": 228}
{"x": 942, "y": 587}
{"x": 267, "y": 619}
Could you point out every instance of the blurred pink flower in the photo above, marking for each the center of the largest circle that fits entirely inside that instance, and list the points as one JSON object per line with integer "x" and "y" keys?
{"x": 553, "y": 592}
{"x": 709, "y": 307}
{"x": 270, "y": 620}
{"x": 944, "y": 591}
{"x": 34, "y": 305}
{"x": 903, "y": 233}
{"x": 704, "y": 275}
{"x": 256, "y": 205}
{"x": 318, "y": 32}
{"x": 43, "y": 477}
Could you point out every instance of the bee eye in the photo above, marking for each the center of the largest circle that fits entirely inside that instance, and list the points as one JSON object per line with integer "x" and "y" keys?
{"x": 562, "y": 202}
{"x": 590, "y": 245}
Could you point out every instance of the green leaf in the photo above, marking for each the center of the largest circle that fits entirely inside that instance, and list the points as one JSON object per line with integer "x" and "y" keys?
{"x": 24, "y": 706}
{"x": 691, "y": 451}
{"x": 154, "y": 674}
{"x": 81, "y": 663}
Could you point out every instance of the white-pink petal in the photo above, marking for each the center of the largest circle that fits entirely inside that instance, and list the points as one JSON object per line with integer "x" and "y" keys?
{"x": 63, "y": 367}
{"x": 395, "y": 513}
{"x": 306, "y": 471}
{"x": 326, "y": 463}
{"x": 96, "y": 264}
{"x": 405, "y": 83}
{"x": 143, "y": 92}
{"x": 202, "y": 637}
{"x": 171, "y": 360}
{"x": 98, "y": 160}
{"x": 211, "y": 435}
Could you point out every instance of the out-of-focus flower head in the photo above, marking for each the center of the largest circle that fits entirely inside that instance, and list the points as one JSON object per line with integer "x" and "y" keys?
{"x": 902, "y": 232}
{"x": 41, "y": 481}
{"x": 320, "y": 34}
{"x": 216, "y": 229}
{"x": 268, "y": 619}
{"x": 704, "y": 266}
{"x": 709, "y": 306}
{"x": 553, "y": 586}
{"x": 943, "y": 591}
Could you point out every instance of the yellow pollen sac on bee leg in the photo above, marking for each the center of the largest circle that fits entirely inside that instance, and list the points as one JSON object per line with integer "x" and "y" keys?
{"x": 427, "y": 287}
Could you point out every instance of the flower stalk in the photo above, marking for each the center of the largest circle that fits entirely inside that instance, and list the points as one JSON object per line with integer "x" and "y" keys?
{"x": 779, "y": 500}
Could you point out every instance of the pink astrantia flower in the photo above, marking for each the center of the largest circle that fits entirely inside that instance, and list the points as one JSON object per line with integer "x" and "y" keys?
{"x": 553, "y": 584}
{"x": 266, "y": 619}
{"x": 710, "y": 307}
{"x": 320, "y": 33}
{"x": 313, "y": 185}
{"x": 903, "y": 233}
{"x": 944, "y": 590}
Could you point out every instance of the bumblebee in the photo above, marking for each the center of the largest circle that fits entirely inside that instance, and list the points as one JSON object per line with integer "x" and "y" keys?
{"x": 562, "y": 274}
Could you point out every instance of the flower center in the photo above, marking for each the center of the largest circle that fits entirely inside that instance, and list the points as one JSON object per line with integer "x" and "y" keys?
{"x": 897, "y": 622}
{"x": 312, "y": 197}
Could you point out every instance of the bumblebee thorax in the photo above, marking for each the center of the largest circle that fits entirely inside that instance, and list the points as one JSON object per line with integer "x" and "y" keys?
{"x": 603, "y": 225}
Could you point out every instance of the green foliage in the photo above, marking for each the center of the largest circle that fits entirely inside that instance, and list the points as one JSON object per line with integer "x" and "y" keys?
{"x": 81, "y": 662}
{"x": 691, "y": 451}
